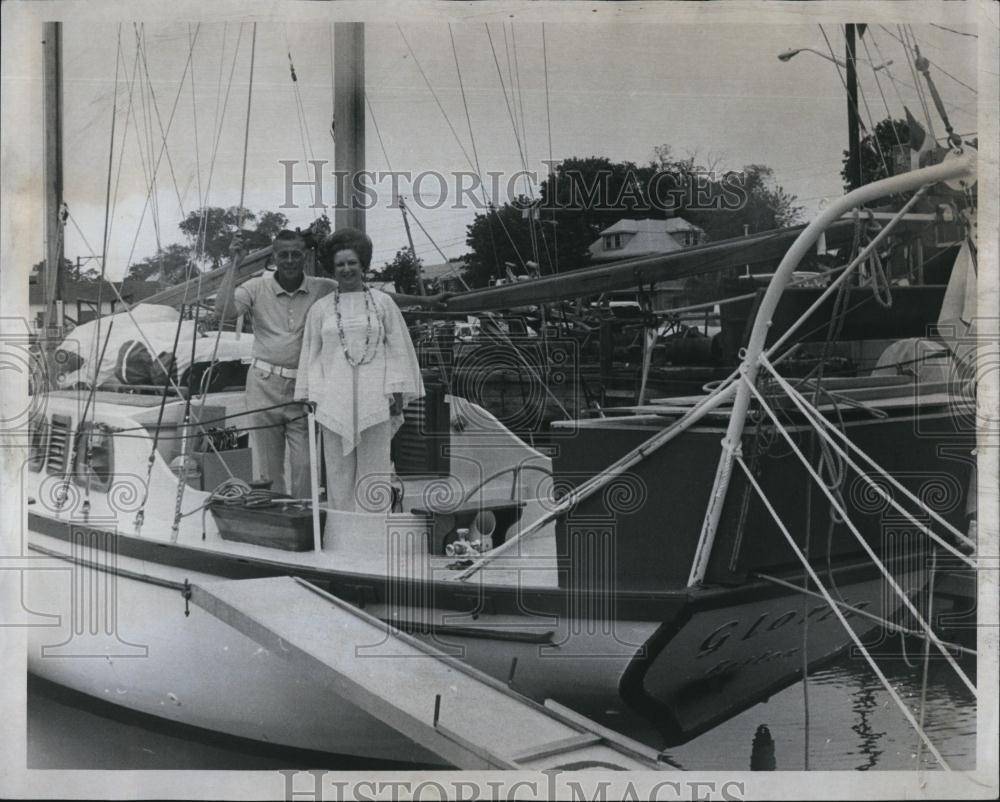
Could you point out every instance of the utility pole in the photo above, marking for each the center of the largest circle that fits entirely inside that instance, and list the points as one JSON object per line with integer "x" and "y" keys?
{"x": 853, "y": 143}
{"x": 413, "y": 251}
{"x": 349, "y": 121}
{"x": 53, "y": 274}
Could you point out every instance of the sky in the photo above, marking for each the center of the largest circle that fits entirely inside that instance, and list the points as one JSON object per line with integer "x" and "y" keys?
{"x": 717, "y": 92}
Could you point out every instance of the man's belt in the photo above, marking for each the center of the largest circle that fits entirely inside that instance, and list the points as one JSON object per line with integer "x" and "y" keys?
{"x": 287, "y": 373}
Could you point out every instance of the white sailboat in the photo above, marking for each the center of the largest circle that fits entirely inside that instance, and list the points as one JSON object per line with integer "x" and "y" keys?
{"x": 657, "y": 608}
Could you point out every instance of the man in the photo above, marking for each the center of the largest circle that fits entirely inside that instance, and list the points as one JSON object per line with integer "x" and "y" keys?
{"x": 278, "y": 303}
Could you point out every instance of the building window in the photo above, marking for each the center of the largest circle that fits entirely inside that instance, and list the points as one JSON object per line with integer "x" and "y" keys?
{"x": 612, "y": 242}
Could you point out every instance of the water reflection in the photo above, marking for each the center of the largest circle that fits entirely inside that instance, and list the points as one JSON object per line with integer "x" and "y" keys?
{"x": 864, "y": 704}
{"x": 852, "y": 717}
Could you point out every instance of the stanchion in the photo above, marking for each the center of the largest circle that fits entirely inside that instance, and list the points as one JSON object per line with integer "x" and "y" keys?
{"x": 314, "y": 475}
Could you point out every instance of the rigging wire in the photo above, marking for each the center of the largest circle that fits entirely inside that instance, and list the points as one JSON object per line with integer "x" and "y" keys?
{"x": 225, "y": 105}
{"x": 932, "y": 63}
{"x": 437, "y": 248}
{"x": 860, "y": 91}
{"x": 194, "y": 117}
{"x": 246, "y": 132}
{"x": 548, "y": 125}
{"x": 491, "y": 213}
{"x": 156, "y": 109}
{"x": 527, "y": 159}
{"x": 300, "y": 109}
{"x": 378, "y": 132}
{"x": 952, "y": 30}
{"x": 437, "y": 100}
{"x": 878, "y": 83}
{"x": 147, "y": 122}
{"x": 89, "y": 405}
{"x": 155, "y": 167}
{"x": 916, "y": 82}
{"x": 121, "y": 152}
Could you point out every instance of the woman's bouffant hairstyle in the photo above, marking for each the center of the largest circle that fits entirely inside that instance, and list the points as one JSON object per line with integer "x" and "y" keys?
{"x": 345, "y": 239}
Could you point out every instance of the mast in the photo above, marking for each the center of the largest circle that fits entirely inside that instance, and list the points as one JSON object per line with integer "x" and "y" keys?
{"x": 853, "y": 143}
{"x": 53, "y": 278}
{"x": 349, "y": 121}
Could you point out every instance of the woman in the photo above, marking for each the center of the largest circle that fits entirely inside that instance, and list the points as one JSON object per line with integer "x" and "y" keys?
{"x": 359, "y": 367}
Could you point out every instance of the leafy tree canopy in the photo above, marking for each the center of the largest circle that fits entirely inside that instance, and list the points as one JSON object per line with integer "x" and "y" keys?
{"x": 210, "y": 230}
{"x": 878, "y": 151}
{"x": 403, "y": 271}
{"x": 583, "y": 196}
{"x": 170, "y": 265}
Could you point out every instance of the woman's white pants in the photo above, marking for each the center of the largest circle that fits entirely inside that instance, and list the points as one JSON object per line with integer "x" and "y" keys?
{"x": 361, "y": 479}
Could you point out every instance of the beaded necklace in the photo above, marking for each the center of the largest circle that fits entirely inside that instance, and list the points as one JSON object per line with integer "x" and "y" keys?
{"x": 366, "y": 357}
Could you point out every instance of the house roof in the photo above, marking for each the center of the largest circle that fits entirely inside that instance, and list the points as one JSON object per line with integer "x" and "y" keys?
{"x": 643, "y": 237}
{"x": 671, "y": 225}
{"x": 451, "y": 269}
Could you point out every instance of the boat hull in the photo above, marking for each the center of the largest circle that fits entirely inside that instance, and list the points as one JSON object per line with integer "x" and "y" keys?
{"x": 125, "y": 634}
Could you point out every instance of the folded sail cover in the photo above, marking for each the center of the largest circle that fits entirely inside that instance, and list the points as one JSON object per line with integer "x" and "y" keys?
{"x": 139, "y": 349}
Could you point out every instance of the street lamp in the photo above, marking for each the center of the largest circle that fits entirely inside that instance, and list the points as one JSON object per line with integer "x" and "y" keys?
{"x": 788, "y": 54}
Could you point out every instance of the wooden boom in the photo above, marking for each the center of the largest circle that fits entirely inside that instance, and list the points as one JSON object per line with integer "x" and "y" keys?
{"x": 208, "y": 284}
{"x": 632, "y": 273}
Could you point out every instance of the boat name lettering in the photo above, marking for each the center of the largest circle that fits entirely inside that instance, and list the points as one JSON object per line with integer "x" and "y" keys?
{"x": 721, "y": 634}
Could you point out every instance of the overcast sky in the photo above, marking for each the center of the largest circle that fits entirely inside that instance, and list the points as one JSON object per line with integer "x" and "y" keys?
{"x": 718, "y": 91}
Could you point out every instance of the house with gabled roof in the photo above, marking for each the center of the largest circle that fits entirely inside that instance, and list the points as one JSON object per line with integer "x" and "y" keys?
{"x": 629, "y": 238}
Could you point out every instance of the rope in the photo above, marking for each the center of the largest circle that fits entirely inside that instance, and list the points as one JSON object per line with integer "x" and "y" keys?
{"x": 816, "y": 417}
{"x": 840, "y": 616}
{"x": 864, "y": 544}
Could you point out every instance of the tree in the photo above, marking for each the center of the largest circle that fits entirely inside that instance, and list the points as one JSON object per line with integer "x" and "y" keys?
{"x": 170, "y": 266}
{"x": 72, "y": 271}
{"x": 210, "y": 230}
{"x": 763, "y": 205}
{"x": 583, "y": 196}
{"x": 873, "y": 148}
{"x": 403, "y": 271}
